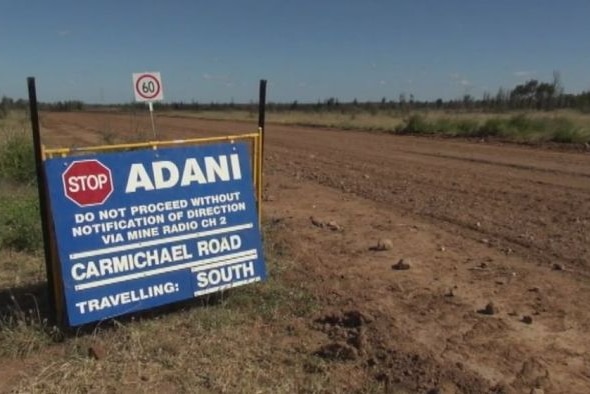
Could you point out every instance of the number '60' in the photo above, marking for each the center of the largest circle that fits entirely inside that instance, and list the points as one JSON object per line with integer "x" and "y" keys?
{"x": 148, "y": 87}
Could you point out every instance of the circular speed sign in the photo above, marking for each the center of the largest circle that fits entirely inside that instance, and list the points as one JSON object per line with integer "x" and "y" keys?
{"x": 147, "y": 86}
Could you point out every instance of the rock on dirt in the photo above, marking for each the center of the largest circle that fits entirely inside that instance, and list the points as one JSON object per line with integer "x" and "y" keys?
{"x": 331, "y": 225}
{"x": 401, "y": 265}
{"x": 490, "y": 309}
{"x": 450, "y": 292}
{"x": 558, "y": 267}
{"x": 316, "y": 222}
{"x": 527, "y": 319}
{"x": 96, "y": 351}
{"x": 382, "y": 245}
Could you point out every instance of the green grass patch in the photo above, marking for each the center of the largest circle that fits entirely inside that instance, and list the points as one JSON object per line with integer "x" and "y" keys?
{"x": 519, "y": 127}
{"x": 17, "y": 159}
{"x": 20, "y": 223}
{"x": 20, "y": 228}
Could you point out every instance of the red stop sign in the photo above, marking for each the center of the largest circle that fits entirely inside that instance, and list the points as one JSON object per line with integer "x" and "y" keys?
{"x": 87, "y": 182}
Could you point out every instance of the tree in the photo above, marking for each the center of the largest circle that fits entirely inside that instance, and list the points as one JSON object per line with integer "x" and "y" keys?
{"x": 558, "y": 88}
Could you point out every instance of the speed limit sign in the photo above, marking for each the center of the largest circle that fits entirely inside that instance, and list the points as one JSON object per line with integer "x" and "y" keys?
{"x": 147, "y": 86}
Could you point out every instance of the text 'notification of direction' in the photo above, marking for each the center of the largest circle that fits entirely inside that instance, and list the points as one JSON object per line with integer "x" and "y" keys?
{"x": 140, "y": 229}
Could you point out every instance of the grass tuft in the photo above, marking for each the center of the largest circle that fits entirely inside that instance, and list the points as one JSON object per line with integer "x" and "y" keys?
{"x": 22, "y": 331}
{"x": 17, "y": 160}
{"x": 20, "y": 223}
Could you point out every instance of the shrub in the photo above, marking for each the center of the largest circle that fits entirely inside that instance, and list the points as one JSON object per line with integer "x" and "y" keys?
{"x": 564, "y": 130}
{"x": 20, "y": 223}
{"x": 445, "y": 126}
{"x": 468, "y": 127}
{"x": 17, "y": 160}
{"x": 3, "y": 110}
{"x": 521, "y": 123}
{"x": 492, "y": 127}
{"x": 415, "y": 124}
{"x": 569, "y": 135}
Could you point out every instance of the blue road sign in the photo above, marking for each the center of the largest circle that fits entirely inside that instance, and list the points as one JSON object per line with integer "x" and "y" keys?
{"x": 140, "y": 229}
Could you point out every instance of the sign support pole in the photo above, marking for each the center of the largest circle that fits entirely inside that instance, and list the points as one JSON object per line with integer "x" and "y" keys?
{"x": 261, "y": 122}
{"x": 151, "y": 105}
{"x": 42, "y": 190}
{"x": 262, "y": 107}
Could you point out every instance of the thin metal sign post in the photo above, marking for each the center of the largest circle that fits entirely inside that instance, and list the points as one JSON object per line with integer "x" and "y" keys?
{"x": 151, "y": 105}
{"x": 262, "y": 117}
{"x": 262, "y": 105}
{"x": 43, "y": 205}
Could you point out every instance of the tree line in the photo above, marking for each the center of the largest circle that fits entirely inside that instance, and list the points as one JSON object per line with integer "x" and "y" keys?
{"x": 7, "y": 104}
{"x": 530, "y": 95}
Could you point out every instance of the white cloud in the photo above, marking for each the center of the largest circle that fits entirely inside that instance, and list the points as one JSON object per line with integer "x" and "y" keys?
{"x": 465, "y": 82}
{"x": 455, "y": 76}
{"x": 63, "y": 33}
{"x": 382, "y": 82}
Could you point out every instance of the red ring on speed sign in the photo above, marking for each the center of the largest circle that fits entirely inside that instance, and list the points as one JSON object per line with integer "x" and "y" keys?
{"x": 156, "y": 83}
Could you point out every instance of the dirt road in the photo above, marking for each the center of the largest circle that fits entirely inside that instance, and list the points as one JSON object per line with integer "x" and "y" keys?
{"x": 478, "y": 223}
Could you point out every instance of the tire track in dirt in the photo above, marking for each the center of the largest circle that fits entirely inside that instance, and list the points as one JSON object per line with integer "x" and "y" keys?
{"x": 544, "y": 211}
{"x": 428, "y": 314}
{"x": 532, "y": 201}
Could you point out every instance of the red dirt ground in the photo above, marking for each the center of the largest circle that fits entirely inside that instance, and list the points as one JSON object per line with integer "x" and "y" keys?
{"x": 478, "y": 223}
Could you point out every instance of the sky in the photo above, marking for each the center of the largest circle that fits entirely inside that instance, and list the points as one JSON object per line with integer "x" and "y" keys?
{"x": 218, "y": 50}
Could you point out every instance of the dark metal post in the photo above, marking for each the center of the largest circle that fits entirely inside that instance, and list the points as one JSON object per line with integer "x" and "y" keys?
{"x": 261, "y": 121}
{"x": 41, "y": 187}
{"x": 262, "y": 133}
{"x": 262, "y": 107}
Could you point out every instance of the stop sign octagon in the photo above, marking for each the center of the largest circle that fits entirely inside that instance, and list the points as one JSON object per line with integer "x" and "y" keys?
{"x": 87, "y": 182}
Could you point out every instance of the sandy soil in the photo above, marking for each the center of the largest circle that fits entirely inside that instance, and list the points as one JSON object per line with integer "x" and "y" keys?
{"x": 476, "y": 223}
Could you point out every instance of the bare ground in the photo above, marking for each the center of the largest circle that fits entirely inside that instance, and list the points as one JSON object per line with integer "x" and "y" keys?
{"x": 476, "y": 223}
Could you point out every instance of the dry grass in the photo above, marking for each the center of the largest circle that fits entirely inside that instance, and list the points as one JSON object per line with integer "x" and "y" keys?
{"x": 253, "y": 339}
{"x": 381, "y": 120}
{"x": 578, "y": 124}
{"x": 20, "y": 269}
{"x": 211, "y": 349}
{"x": 15, "y": 121}
{"x": 247, "y": 340}
{"x": 230, "y": 115}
